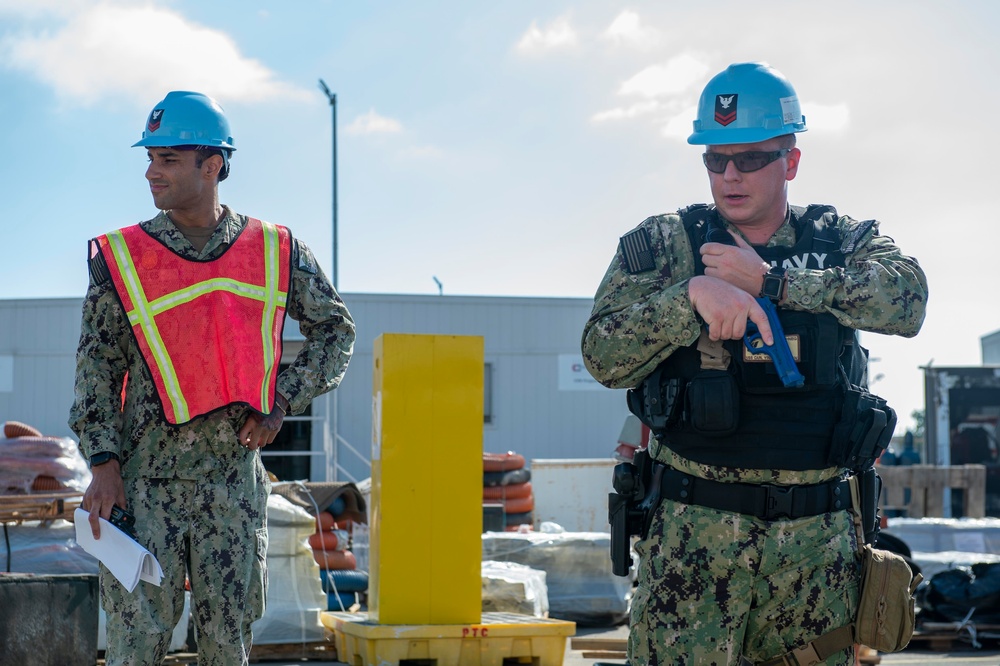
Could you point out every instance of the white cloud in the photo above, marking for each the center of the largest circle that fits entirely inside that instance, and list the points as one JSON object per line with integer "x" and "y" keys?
{"x": 37, "y": 8}
{"x": 626, "y": 112}
{"x": 106, "y": 50}
{"x": 826, "y": 117}
{"x": 627, "y": 29}
{"x": 373, "y": 123}
{"x": 558, "y": 34}
{"x": 675, "y": 76}
{"x": 679, "y": 126}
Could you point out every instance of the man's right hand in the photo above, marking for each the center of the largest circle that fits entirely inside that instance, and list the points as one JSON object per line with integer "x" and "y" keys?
{"x": 726, "y": 309}
{"x": 105, "y": 490}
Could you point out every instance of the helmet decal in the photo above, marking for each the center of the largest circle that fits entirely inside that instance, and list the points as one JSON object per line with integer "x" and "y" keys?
{"x": 790, "y": 112}
{"x": 725, "y": 109}
{"x": 154, "y": 120}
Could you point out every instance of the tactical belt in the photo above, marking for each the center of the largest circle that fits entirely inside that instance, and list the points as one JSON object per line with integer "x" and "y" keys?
{"x": 765, "y": 501}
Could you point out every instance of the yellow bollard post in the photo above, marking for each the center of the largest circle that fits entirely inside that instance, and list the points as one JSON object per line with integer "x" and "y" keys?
{"x": 427, "y": 467}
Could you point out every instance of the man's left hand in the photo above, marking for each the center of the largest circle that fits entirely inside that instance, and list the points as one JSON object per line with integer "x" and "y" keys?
{"x": 739, "y": 264}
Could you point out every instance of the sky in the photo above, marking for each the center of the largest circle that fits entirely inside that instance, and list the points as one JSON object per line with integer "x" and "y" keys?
{"x": 502, "y": 148}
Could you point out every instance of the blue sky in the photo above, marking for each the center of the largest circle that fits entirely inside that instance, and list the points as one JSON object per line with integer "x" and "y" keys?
{"x": 504, "y": 147}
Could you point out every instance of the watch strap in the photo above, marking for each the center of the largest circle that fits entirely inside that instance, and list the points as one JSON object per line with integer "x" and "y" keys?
{"x": 103, "y": 457}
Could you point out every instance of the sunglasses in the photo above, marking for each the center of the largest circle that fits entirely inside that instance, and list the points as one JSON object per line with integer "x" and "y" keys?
{"x": 752, "y": 160}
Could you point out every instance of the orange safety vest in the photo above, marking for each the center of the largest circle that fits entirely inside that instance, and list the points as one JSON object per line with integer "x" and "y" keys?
{"x": 209, "y": 331}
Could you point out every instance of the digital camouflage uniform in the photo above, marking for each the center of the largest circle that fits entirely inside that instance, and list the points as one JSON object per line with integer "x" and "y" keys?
{"x": 717, "y": 587}
{"x": 199, "y": 498}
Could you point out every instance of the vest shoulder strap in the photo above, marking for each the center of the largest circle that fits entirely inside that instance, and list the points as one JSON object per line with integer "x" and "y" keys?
{"x": 97, "y": 266}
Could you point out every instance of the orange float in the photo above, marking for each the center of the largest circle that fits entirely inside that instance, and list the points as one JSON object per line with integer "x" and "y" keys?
{"x": 519, "y": 504}
{"x": 48, "y": 484}
{"x": 502, "y": 462}
{"x": 325, "y": 521}
{"x": 335, "y": 559}
{"x": 507, "y": 492}
{"x": 14, "y": 429}
{"x": 324, "y": 541}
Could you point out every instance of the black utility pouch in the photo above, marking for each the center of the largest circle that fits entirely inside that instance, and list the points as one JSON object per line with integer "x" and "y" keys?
{"x": 713, "y": 403}
{"x": 864, "y": 431}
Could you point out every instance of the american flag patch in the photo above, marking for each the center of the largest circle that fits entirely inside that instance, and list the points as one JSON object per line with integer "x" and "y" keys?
{"x": 859, "y": 232}
{"x": 637, "y": 251}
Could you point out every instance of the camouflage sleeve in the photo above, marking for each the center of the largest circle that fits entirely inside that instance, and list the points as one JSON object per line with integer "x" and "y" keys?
{"x": 879, "y": 289}
{"x": 642, "y": 312}
{"x": 101, "y": 364}
{"x": 328, "y": 330}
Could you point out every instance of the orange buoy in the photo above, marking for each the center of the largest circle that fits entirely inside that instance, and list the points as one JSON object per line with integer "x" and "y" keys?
{"x": 335, "y": 559}
{"x": 14, "y": 429}
{"x": 325, "y": 521}
{"x": 502, "y": 462}
{"x": 507, "y": 492}
{"x": 325, "y": 541}
{"x": 519, "y": 504}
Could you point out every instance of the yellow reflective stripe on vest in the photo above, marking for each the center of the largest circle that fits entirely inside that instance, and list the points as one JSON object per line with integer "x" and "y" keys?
{"x": 272, "y": 273}
{"x": 144, "y": 311}
{"x": 188, "y": 294}
{"x": 142, "y": 316}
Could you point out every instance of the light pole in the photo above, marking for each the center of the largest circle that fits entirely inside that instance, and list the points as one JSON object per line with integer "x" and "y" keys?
{"x": 333, "y": 107}
{"x": 333, "y": 278}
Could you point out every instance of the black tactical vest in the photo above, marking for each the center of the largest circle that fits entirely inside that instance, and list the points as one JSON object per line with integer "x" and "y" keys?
{"x": 769, "y": 426}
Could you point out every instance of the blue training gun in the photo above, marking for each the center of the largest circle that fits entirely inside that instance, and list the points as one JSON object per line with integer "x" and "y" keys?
{"x": 779, "y": 351}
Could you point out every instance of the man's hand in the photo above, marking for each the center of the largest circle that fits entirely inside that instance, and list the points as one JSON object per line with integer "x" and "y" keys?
{"x": 259, "y": 431}
{"x": 726, "y": 308}
{"x": 737, "y": 264}
{"x": 105, "y": 490}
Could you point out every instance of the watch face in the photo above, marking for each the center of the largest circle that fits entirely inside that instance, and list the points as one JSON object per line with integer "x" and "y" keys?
{"x": 772, "y": 286}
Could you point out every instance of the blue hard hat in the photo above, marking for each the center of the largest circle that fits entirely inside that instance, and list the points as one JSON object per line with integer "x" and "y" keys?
{"x": 187, "y": 119}
{"x": 747, "y": 103}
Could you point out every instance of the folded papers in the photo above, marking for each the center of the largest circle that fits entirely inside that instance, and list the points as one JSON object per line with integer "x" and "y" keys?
{"x": 127, "y": 561}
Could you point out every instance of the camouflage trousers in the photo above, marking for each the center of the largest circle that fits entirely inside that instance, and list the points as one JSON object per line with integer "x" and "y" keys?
{"x": 726, "y": 588}
{"x": 213, "y": 531}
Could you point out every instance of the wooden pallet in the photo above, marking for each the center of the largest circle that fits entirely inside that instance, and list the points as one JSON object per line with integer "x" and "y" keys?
{"x": 951, "y": 636}
{"x": 319, "y": 651}
{"x": 927, "y": 484}
{"x": 599, "y": 648}
{"x": 41, "y": 506}
{"x": 614, "y": 648}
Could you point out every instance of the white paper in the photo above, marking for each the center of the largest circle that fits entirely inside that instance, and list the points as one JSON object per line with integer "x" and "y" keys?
{"x": 128, "y": 561}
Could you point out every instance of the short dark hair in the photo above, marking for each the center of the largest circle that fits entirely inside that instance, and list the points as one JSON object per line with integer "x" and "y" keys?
{"x": 787, "y": 141}
{"x": 202, "y": 153}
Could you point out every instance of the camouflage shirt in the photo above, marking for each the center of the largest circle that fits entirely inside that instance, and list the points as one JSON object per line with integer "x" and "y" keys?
{"x": 640, "y": 319}
{"x": 137, "y": 432}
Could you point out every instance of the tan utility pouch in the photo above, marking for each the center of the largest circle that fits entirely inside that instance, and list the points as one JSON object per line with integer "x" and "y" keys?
{"x": 885, "y": 611}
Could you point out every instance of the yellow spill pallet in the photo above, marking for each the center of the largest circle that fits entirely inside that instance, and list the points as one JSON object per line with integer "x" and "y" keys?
{"x": 499, "y": 639}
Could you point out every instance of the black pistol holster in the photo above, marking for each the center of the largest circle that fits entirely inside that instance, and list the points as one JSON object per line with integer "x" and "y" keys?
{"x": 631, "y": 506}
{"x": 656, "y": 401}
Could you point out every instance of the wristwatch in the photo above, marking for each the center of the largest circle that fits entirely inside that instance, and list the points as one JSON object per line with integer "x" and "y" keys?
{"x": 103, "y": 457}
{"x": 774, "y": 284}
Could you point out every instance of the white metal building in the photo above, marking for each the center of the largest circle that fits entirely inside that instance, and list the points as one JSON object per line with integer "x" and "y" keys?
{"x": 991, "y": 348}
{"x": 539, "y": 399}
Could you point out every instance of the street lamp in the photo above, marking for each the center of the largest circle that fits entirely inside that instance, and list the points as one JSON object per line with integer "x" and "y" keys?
{"x": 333, "y": 107}
{"x": 334, "y": 401}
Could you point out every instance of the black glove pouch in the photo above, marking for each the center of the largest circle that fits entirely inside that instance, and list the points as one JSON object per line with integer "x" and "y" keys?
{"x": 864, "y": 431}
{"x": 713, "y": 403}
